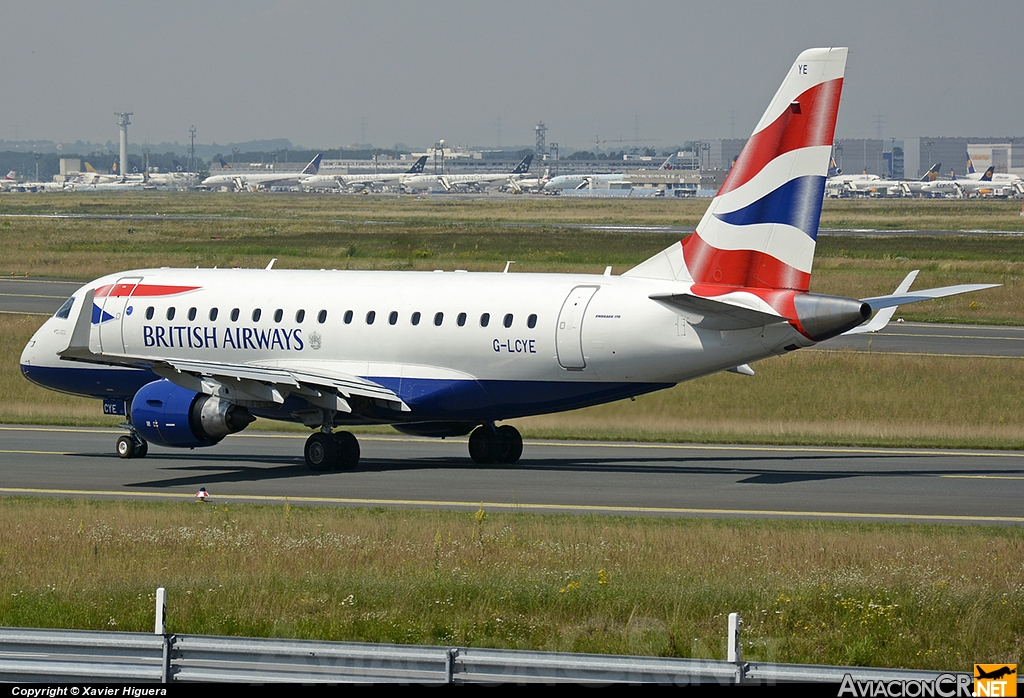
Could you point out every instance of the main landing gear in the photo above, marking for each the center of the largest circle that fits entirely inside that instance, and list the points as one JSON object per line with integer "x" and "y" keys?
{"x": 327, "y": 451}
{"x": 488, "y": 444}
{"x": 132, "y": 445}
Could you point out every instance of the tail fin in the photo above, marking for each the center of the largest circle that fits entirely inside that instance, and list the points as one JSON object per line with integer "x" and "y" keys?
{"x": 314, "y": 165}
{"x": 970, "y": 164}
{"x": 667, "y": 165}
{"x": 987, "y": 177}
{"x": 89, "y": 168}
{"x": 833, "y": 171}
{"x": 223, "y": 165}
{"x": 760, "y": 229}
{"x": 932, "y": 174}
{"x": 524, "y": 166}
{"x": 13, "y": 174}
{"x": 418, "y": 165}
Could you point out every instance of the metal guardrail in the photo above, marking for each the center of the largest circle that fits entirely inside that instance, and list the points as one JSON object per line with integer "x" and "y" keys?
{"x": 73, "y": 655}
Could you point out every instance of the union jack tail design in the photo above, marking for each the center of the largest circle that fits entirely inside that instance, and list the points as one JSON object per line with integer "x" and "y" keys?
{"x": 760, "y": 230}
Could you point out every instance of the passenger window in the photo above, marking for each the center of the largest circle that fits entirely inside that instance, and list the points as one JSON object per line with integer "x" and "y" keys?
{"x": 438, "y": 319}
{"x": 234, "y": 315}
{"x": 191, "y": 314}
{"x": 256, "y": 315}
{"x": 531, "y": 321}
{"x": 278, "y": 315}
{"x": 416, "y": 318}
{"x": 149, "y": 313}
{"x": 348, "y": 317}
{"x": 321, "y": 317}
{"x": 507, "y": 322}
{"x": 485, "y": 319}
{"x": 213, "y": 314}
{"x": 461, "y": 320}
{"x": 65, "y": 309}
{"x": 393, "y": 317}
{"x": 300, "y": 315}
{"x": 371, "y": 316}
{"x": 170, "y": 313}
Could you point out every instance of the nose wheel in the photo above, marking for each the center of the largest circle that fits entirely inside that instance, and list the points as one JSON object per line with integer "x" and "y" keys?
{"x": 325, "y": 451}
{"x": 495, "y": 445}
{"x": 132, "y": 446}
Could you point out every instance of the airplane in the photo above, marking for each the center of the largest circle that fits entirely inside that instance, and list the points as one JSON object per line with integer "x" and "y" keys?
{"x": 450, "y": 182}
{"x": 1004, "y": 184}
{"x": 954, "y": 187}
{"x": 583, "y": 181}
{"x": 255, "y": 180}
{"x": 190, "y": 356}
{"x": 11, "y": 183}
{"x": 917, "y": 186}
{"x": 360, "y": 181}
{"x": 518, "y": 185}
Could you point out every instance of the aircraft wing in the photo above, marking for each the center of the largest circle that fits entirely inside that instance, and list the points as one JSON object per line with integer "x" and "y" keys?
{"x": 716, "y": 315}
{"x": 242, "y": 383}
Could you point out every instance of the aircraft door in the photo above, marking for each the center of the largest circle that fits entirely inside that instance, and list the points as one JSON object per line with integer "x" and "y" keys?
{"x": 111, "y": 314}
{"x": 569, "y": 330}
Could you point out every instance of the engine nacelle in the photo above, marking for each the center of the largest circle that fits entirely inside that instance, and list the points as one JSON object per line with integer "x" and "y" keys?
{"x": 169, "y": 415}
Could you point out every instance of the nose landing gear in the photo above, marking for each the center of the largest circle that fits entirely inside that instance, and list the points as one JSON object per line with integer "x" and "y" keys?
{"x": 132, "y": 445}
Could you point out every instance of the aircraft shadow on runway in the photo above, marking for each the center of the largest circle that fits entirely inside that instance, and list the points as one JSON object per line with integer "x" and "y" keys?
{"x": 207, "y": 468}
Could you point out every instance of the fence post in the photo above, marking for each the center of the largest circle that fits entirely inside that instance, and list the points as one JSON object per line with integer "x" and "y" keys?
{"x": 449, "y": 664}
{"x": 735, "y": 649}
{"x": 161, "y": 610}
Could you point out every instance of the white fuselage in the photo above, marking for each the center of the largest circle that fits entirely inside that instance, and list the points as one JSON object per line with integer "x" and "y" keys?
{"x": 249, "y": 180}
{"x": 594, "y": 338}
{"x": 578, "y": 181}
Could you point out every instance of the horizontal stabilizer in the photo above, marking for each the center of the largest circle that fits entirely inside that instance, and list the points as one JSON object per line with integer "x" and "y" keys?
{"x": 879, "y": 302}
{"x": 717, "y": 315}
{"x": 883, "y": 316}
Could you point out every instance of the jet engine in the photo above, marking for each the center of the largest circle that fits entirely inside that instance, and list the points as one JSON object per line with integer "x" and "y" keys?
{"x": 169, "y": 415}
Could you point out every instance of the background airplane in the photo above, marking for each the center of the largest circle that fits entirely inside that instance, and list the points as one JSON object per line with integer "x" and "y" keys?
{"x": 358, "y": 182}
{"x": 476, "y": 181}
{"x": 257, "y": 180}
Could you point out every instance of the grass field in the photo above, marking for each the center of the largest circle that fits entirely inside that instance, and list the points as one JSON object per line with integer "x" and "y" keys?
{"x": 910, "y": 596}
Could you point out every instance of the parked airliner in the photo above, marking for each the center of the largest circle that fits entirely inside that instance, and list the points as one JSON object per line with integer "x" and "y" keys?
{"x": 192, "y": 355}
{"x": 359, "y": 182}
{"x": 465, "y": 182}
{"x": 254, "y": 180}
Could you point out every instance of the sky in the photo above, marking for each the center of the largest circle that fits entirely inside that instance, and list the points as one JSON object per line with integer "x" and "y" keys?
{"x": 327, "y": 74}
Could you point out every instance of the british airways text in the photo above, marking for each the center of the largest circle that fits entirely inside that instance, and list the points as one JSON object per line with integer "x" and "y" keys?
{"x": 199, "y": 337}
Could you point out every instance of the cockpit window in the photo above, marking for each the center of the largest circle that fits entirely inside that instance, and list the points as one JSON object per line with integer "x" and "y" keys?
{"x": 65, "y": 309}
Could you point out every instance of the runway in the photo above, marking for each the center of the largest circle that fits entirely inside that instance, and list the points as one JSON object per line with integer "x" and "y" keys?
{"x": 935, "y": 486}
{"x": 44, "y": 296}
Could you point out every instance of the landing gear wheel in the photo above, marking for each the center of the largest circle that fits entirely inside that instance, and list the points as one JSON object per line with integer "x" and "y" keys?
{"x": 321, "y": 452}
{"x": 141, "y": 448}
{"x": 483, "y": 445}
{"x": 126, "y": 447}
{"x": 347, "y": 451}
{"x": 510, "y": 444}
